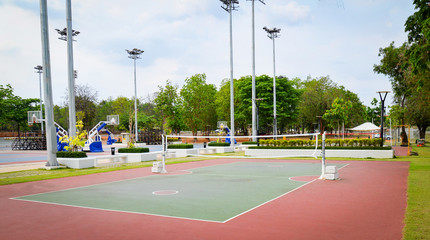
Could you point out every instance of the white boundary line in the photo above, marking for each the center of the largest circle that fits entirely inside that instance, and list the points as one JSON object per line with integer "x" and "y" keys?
{"x": 290, "y": 178}
{"x": 120, "y": 211}
{"x": 274, "y": 198}
{"x": 269, "y": 201}
{"x": 159, "y": 215}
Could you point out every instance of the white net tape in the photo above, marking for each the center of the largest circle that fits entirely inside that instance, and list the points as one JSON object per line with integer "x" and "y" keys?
{"x": 312, "y": 136}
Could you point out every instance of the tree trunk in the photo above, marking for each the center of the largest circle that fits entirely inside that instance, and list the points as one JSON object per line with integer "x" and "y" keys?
{"x": 19, "y": 134}
{"x": 422, "y": 131}
{"x": 404, "y": 137}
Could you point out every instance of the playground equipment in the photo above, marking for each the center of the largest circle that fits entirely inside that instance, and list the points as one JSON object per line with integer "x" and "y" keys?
{"x": 223, "y": 126}
{"x": 60, "y": 133}
{"x": 94, "y": 143}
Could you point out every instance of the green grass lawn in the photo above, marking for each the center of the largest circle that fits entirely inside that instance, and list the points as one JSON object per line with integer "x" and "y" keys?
{"x": 417, "y": 218}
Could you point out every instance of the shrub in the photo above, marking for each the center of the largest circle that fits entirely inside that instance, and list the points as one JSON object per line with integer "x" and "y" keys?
{"x": 172, "y": 139}
{"x": 247, "y": 143}
{"x": 180, "y": 146}
{"x": 71, "y": 155}
{"x": 220, "y": 144}
{"x": 133, "y": 150}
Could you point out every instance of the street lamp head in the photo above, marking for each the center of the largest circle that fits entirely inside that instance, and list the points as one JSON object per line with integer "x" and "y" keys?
{"x": 229, "y": 5}
{"x": 272, "y": 33}
{"x": 134, "y": 53}
{"x": 63, "y": 33}
{"x": 38, "y": 68}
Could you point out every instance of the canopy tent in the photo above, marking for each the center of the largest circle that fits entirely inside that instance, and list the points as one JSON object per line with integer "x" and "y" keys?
{"x": 367, "y": 126}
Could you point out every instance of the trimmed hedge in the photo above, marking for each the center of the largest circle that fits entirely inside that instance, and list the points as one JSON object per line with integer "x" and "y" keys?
{"x": 133, "y": 150}
{"x": 71, "y": 154}
{"x": 180, "y": 146}
{"x": 357, "y": 142}
{"x": 329, "y": 148}
{"x": 172, "y": 139}
{"x": 219, "y": 144}
{"x": 245, "y": 143}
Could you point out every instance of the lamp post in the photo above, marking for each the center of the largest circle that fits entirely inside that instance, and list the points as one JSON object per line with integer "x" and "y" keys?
{"x": 272, "y": 34}
{"x": 67, "y": 34}
{"x": 51, "y": 143}
{"x": 40, "y": 71}
{"x": 135, "y": 54}
{"x": 229, "y": 6}
{"x": 382, "y": 96}
{"x": 257, "y": 103}
{"x": 254, "y": 128}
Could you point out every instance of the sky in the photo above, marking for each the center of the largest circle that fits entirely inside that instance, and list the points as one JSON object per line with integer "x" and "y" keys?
{"x": 180, "y": 38}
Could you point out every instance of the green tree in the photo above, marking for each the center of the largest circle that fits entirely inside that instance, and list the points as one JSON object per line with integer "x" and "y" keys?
{"x": 287, "y": 98}
{"x": 86, "y": 102}
{"x": 222, "y": 101}
{"x": 167, "y": 105}
{"x": 318, "y": 95}
{"x": 198, "y": 105}
{"x": 14, "y": 108}
{"x": 338, "y": 113}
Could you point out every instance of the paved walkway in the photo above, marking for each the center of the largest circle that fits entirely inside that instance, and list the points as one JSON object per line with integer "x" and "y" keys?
{"x": 401, "y": 151}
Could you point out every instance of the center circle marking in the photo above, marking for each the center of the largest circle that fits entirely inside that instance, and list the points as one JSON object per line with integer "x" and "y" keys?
{"x": 165, "y": 192}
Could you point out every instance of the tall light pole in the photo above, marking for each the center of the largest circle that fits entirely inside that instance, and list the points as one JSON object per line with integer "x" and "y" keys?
{"x": 257, "y": 102}
{"x": 51, "y": 139}
{"x": 67, "y": 34}
{"x": 135, "y": 54}
{"x": 40, "y": 71}
{"x": 229, "y": 6}
{"x": 254, "y": 128}
{"x": 382, "y": 96}
{"x": 272, "y": 34}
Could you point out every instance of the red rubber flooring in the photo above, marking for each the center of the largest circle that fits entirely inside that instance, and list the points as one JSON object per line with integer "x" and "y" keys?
{"x": 368, "y": 202}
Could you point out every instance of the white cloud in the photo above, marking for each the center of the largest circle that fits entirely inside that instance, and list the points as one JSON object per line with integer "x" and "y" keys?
{"x": 292, "y": 11}
{"x": 185, "y": 37}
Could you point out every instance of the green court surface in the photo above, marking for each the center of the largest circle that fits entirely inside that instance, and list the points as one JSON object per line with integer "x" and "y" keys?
{"x": 215, "y": 193}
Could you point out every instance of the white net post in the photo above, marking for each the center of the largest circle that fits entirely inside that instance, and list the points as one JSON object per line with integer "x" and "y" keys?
{"x": 164, "y": 144}
{"x": 323, "y": 157}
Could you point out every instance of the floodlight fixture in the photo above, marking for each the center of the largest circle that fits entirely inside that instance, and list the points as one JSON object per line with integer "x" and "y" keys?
{"x": 134, "y": 53}
{"x": 272, "y": 33}
{"x": 229, "y": 5}
{"x": 63, "y": 34}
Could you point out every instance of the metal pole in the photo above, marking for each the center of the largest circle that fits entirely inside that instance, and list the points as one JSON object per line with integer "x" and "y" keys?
{"x": 382, "y": 115}
{"x": 135, "y": 103}
{"x": 258, "y": 123}
{"x": 323, "y": 157}
{"x": 231, "y": 78}
{"x": 71, "y": 78}
{"x": 51, "y": 141}
{"x": 41, "y": 106}
{"x": 164, "y": 144}
{"x": 275, "y": 129}
{"x": 254, "y": 128}
{"x": 391, "y": 134}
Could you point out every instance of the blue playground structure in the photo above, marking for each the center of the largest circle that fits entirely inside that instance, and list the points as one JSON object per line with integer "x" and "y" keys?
{"x": 94, "y": 142}
{"x": 228, "y": 140}
{"x": 60, "y": 133}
